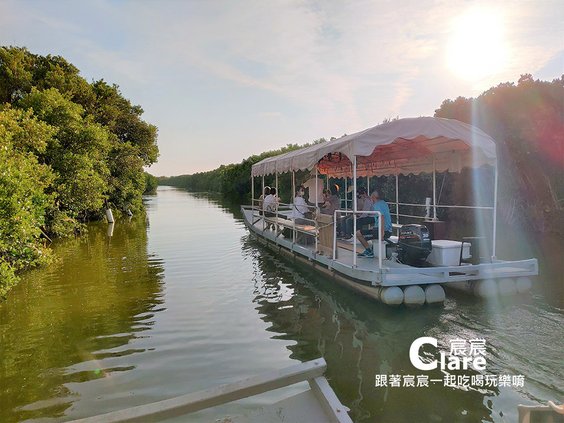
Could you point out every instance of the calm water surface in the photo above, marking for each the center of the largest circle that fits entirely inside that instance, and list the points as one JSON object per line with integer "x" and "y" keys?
{"x": 187, "y": 300}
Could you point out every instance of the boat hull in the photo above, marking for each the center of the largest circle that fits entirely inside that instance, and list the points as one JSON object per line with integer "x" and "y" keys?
{"x": 396, "y": 283}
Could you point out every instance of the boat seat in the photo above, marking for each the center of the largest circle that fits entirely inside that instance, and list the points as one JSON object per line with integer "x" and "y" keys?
{"x": 287, "y": 223}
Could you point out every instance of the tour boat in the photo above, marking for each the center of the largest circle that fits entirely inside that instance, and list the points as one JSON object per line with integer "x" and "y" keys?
{"x": 318, "y": 404}
{"x": 413, "y": 266}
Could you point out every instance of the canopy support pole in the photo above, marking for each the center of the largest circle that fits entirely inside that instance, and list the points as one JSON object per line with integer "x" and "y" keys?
{"x": 277, "y": 199}
{"x": 276, "y": 185}
{"x": 293, "y": 205}
{"x": 346, "y": 200}
{"x": 252, "y": 196}
{"x": 262, "y": 205}
{"x": 316, "y": 189}
{"x": 354, "y": 211}
{"x": 494, "y": 213}
{"x": 434, "y": 189}
{"x": 397, "y": 199}
{"x": 315, "y": 212}
{"x": 368, "y": 185}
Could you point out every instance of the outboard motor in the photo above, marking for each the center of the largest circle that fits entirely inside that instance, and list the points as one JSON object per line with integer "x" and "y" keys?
{"x": 414, "y": 245}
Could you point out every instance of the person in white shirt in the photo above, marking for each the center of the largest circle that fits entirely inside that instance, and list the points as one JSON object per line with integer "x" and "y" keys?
{"x": 265, "y": 194}
{"x": 270, "y": 203}
{"x": 300, "y": 207}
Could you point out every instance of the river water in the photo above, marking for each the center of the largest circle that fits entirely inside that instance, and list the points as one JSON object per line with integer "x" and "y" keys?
{"x": 185, "y": 299}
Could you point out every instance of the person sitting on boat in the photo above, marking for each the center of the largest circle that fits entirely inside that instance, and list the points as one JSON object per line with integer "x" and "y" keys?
{"x": 332, "y": 201}
{"x": 325, "y": 197}
{"x": 270, "y": 203}
{"x": 385, "y": 229}
{"x": 364, "y": 204}
{"x": 265, "y": 193}
{"x": 300, "y": 207}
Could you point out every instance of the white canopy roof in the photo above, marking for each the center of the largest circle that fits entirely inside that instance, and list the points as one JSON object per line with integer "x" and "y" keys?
{"x": 403, "y": 146}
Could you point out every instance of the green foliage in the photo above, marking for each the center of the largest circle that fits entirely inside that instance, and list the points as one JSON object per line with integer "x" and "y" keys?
{"x": 124, "y": 120}
{"x": 68, "y": 148}
{"x": 23, "y": 193}
{"x": 233, "y": 180}
{"x": 16, "y": 74}
{"x": 151, "y": 184}
{"x": 78, "y": 154}
{"x": 526, "y": 120}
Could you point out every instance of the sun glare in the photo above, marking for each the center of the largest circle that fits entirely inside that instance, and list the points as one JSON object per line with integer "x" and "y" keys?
{"x": 477, "y": 48}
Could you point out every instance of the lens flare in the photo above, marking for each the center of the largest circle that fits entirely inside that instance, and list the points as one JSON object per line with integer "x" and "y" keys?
{"x": 477, "y": 47}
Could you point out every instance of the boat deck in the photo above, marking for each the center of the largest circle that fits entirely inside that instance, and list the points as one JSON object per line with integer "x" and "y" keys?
{"x": 392, "y": 273}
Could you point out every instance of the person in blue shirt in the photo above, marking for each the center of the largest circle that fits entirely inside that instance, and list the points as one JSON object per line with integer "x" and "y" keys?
{"x": 386, "y": 229}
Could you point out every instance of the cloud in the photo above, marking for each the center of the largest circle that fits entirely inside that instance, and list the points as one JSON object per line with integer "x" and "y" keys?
{"x": 327, "y": 66}
{"x": 321, "y": 56}
{"x": 271, "y": 114}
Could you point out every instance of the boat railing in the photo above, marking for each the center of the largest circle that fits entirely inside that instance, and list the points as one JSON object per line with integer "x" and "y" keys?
{"x": 283, "y": 210}
{"x": 308, "y": 225}
{"x": 427, "y": 215}
{"x": 355, "y": 214}
{"x": 452, "y": 206}
{"x": 310, "y": 371}
{"x": 281, "y": 216}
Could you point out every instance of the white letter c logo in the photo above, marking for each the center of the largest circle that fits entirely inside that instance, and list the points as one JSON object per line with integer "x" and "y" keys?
{"x": 414, "y": 353}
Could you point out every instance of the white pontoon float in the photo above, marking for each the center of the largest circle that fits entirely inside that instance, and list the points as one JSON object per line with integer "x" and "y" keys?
{"x": 318, "y": 404}
{"x": 401, "y": 147}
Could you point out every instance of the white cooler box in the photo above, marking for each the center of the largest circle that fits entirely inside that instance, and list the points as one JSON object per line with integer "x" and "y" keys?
{"x": 447, "y": 253}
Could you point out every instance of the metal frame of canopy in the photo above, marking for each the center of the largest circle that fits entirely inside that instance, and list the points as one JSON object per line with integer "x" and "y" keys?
{"x": 401, "y": 139}
{"x": 403, "y": 146}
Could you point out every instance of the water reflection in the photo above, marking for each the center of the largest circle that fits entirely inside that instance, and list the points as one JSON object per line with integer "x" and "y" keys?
{"x": 68, "y": 323}
{"x": 87, "y": 335}
{"x": 360, "y": 339}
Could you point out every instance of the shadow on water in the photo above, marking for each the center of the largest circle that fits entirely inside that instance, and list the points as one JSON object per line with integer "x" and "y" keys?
{"x": 62, "y": 325}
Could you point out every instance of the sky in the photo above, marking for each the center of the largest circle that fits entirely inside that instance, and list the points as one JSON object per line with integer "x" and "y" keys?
{"x": 223, "y": 80}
